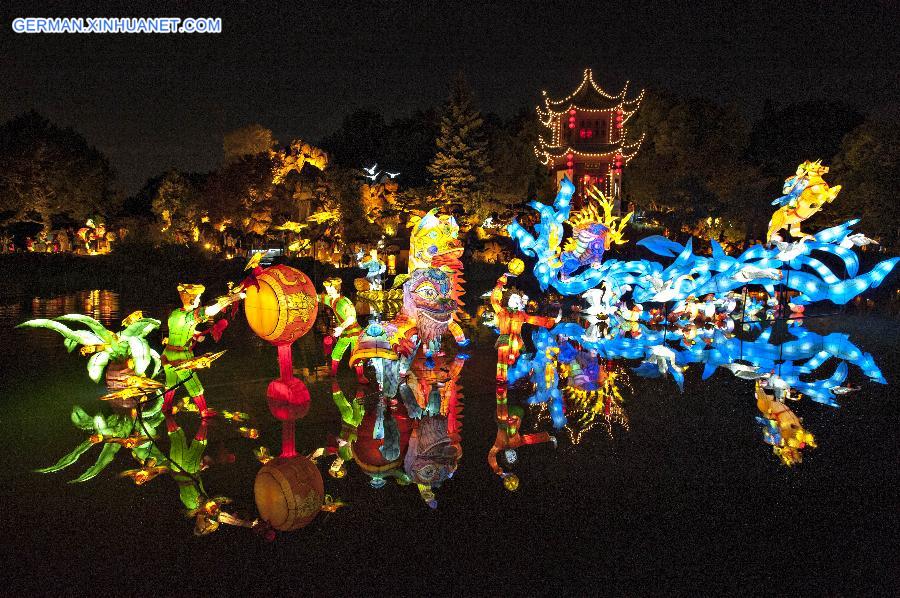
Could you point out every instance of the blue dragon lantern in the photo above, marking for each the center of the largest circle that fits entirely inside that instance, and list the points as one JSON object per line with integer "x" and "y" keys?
{"x": 592, "y": 234}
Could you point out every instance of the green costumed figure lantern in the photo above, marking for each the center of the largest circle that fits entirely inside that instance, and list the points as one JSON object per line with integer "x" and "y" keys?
{"x": 187, "y": 459}
{"x": 179, "y": 348}
{"x": 346, "y": 333}
{"x": 184, "y": 464}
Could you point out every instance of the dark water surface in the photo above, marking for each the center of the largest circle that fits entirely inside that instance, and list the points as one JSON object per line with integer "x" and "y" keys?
{"x": 687, "y": 500}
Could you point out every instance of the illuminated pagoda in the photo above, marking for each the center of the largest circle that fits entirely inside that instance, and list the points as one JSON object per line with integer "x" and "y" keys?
{"x": 586, "y": 137}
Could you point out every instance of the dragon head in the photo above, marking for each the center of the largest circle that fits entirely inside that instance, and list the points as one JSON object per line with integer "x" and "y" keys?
{"x": 593, "y": 233}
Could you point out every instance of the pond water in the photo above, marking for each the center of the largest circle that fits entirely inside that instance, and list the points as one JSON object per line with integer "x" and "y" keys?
{"x": 645, "y": 490}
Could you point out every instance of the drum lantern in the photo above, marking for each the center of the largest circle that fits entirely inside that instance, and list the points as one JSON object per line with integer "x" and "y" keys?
{"x": 289, "y": 492}
{"x": 283, "y": 308}
{"x": 280, "y": 308}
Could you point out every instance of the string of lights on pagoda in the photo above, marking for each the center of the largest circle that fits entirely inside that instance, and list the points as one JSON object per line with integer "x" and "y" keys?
{"x": 569, "y": 155}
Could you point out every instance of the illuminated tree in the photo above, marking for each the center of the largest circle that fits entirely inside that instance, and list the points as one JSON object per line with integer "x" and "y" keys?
{"x": 47, "y": 172}
{"x": 342, "y": 187}
{"x": 460, "y": 166}
{"x": 243, "y": 194}
{"x": 176, "y": 203}
{"x": 248, "y": 141}
{"x": 295, "y": 158}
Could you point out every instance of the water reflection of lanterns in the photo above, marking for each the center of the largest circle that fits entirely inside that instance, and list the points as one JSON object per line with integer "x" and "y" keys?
{"x": 594, "y": 395}
{"x": 100, "y": 304}
{"x": 289, "y": 492}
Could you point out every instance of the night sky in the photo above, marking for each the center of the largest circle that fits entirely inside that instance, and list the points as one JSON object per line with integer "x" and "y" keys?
{"x": 153, "y": 101}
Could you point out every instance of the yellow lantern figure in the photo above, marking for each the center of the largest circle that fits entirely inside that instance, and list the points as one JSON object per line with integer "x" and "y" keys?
{"x": 516, "y": 266}
{"x": 511, "y": 482}
{"x": 805, "y": 194}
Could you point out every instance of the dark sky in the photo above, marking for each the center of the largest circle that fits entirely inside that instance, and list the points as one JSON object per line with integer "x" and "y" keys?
{"x": 154, "y": 101}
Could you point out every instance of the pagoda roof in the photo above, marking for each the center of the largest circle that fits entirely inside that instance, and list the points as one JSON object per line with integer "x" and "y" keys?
{"x": 590, "y": 96}
{"x": 546, "y": 152}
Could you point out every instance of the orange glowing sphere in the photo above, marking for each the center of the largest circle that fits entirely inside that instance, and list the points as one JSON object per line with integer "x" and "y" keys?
{"x": 289, "y": 492}
{"x": 284, "y": 306}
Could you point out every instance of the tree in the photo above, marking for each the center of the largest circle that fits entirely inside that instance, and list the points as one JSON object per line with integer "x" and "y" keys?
{"x": 691, "y": 165}
{"x": 359, "y": 141}
{"x": 460, "y": 166}
{"x": 786, "y": 136}
{"x": 868, "y": 169}
{"x": 176, "y": 202}
{"x": 141, "y": 203}
{"x": 516, "y": 175}
{"x": 242, "y": 194}
{"x": 342, "y": 187}
{"x": 47, "y": 172}
{"x": 248, "y": 141}
{"x": 408, "y": 146}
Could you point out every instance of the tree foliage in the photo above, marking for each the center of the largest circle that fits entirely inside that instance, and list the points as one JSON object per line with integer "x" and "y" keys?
{"x": 516, "y": 176}
{"x": 176, "y": 202}
{"x": 241, "y": 194}
{"x": 405, "y": 145}
{"x": 460, "y": 166}
{"x": 691, "y": 164}
{"x": 249, "y": 140}
{"x": 49, "y": 172}
{"x": 868, "y": 168}
{"x": 790, "y": 134}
